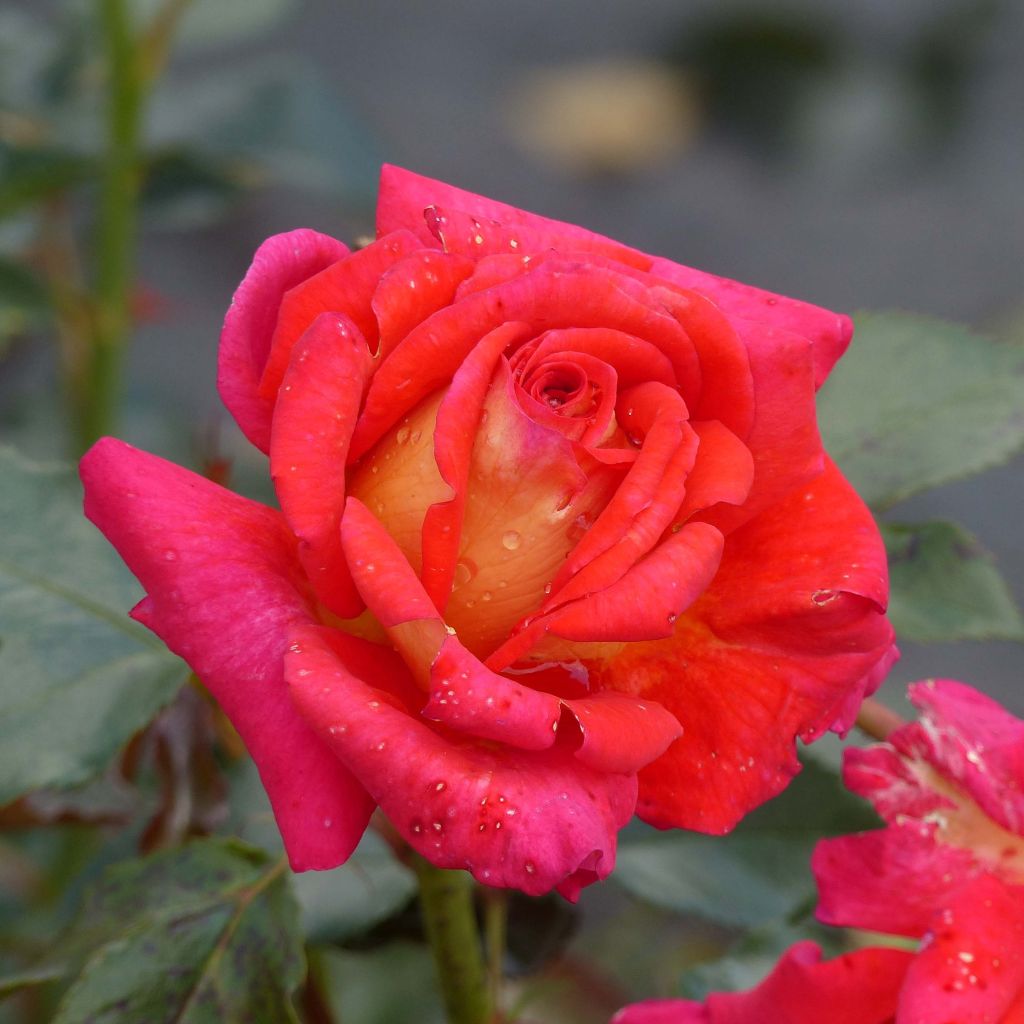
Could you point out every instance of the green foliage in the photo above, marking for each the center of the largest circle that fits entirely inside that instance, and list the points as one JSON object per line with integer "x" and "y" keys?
{"x": 346, "y": 902}
{"x": 944, "y": 586}
{"x": 77, "y": 677}
{"x": 757, "y": 873}
{"x": 31, "y": 175}
{"x": 208, "y": 23}
{"x": 918, "y": 402}
{"x": 207, "y": 932}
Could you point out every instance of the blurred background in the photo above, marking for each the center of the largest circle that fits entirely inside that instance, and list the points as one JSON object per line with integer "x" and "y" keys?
{"x": 862, "y": 156}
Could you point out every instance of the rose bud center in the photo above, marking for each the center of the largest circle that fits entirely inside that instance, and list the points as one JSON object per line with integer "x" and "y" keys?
{"x": 530, "y": 492}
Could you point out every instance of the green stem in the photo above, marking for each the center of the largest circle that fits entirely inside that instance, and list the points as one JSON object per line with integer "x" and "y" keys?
{"x": 495, "y": 928}
{"x": 116, "y": 229}
{"x": 446, "y": 903}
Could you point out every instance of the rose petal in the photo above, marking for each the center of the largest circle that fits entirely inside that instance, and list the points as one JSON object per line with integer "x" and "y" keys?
{"x": 970, "y": 968}
{"x": 348, "y": 287}
{"x": 316, "y": 411}
{"x": 829, "y": 332}
{"x": 861, "y": 987}
{"x": 458, "y": 424}
{"x": 224, "y": 587}
{"x": 525, "y": 820}
{"x": 784, "y": 438}
{"x": 723, "y": 470}
{"x": 976, "y": 742}
{"x": 890, "y": 880}
{"x": 643, "y": 505}
{"x": 556, "y": 295}
{"x": 281, "y": 262}
{"x": 413, "y": 289}
{"x": 788, "y": 627}
{"x": 404, "y": 197}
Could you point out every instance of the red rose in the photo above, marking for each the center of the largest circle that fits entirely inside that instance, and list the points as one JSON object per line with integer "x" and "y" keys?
{"x": 558, "y": 541}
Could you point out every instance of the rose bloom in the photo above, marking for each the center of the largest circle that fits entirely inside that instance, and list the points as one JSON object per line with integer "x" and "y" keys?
{"x": 858, "y": 988}
{"x": 949, "y": 865}
{"x": 557, "y": 542}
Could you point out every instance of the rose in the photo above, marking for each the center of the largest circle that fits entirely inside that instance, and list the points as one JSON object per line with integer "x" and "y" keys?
{"x": 862, "y": 987}
{"x": 948, "y": 867}
{"x": 556, "y": 530}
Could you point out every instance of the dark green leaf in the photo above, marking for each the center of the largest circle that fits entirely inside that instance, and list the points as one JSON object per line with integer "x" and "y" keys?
{"x": 368, "y": 888}
{"x": 918, "y": 402}
{"x": 755, "y": 874}
{"x": 944, "y": 586}
{"x": 185, "y": 188}
{"x": 29, "y": 176}
{"x": 207, "y": 933}
{"x": 77, "y": 676}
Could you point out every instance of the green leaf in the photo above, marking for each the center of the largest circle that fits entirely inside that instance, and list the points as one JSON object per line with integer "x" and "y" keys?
{"x": 29, "y": 176}
{"x": 918, "y": 402}
{"x": 206, "y": 933}
{"x": 348, "y": 901}
{"x": 944, "y": 586}
{"x": 757, "y": 873}
{"x": 22, "y": 289}
{"x": 77, "y": 677}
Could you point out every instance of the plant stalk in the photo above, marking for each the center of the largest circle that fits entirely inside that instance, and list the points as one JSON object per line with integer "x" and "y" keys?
{"x": 876, "y": 720}
{"x": 446, "y": 903}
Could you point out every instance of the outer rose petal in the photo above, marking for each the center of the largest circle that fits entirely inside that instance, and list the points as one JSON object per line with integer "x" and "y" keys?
{"x": 789, "y": 626}
{"x": 829, "y": 332}
{"x": 404, "y": 196}
{"x": 858, "y": 988}
{"x": 280, "y": 263}
{"x": 526, "y": 820}
{"x": 224, "y": 588}
{"x": 890, "y": 880}
{"x": 313, "y": 421}
{"x": 971, "y": 966}
{"x": 404, "y": 199}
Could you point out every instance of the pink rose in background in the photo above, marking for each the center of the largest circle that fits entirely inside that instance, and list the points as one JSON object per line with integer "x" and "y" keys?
{"x": 948, "y": 869}
{"x": 557, "y": 542}
{"x": 949, "y": 865}
{"x": 858, "y": 988}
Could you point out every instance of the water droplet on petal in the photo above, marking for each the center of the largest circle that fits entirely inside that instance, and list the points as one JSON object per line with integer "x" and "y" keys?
{"x": 511, "y": 539}
{"x": 403, "y": 435}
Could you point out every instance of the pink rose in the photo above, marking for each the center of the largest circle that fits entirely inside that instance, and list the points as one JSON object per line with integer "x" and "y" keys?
{"x": 949, "y": 865}
{"x": 858, "y": 988}
{"x": 557, "y": 541}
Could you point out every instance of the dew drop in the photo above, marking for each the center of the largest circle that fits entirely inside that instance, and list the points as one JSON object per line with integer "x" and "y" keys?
{"x": 486, "y": 596}
{"x": 463, "y": 573}
{"x": 511, "y": 540}
{"x": 403, "y": 435}
{"x": 170, "y": 555}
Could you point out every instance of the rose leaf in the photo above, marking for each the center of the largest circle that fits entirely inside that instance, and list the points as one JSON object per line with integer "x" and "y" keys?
{"x": 77, "y": 677}
{"x": 917, "y": 402}
{"x": 944, "y": 586}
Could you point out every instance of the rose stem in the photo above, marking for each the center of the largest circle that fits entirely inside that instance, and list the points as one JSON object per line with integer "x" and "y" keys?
{"x": 876, "y": 720}
{"x": 495, "y": 903}
{"x": 446, "y": 903}
{"x": 133, "y": 63}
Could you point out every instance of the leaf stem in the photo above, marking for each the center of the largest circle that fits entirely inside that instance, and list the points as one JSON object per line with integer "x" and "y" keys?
{"x": 446, "y": 903}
